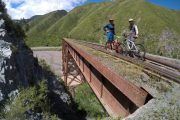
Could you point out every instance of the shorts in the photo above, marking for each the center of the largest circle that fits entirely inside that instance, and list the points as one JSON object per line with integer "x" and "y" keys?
{"x": 110, "y": 37}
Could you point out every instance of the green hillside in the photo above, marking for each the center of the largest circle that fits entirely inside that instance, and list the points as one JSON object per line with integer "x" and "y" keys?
{"x": 159, "y": 27}
{"x": 38, "y": 27}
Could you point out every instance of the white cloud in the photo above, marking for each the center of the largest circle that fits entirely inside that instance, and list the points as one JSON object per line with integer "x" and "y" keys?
{"x": 38, "y": 7}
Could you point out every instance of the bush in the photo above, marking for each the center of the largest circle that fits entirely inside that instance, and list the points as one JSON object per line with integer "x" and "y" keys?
{"x": 31, "y": 102}
{"x": 2, "y": 7}
{"x": 86, "y": 100}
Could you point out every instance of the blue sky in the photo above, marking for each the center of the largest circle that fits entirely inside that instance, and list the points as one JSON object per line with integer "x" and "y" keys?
{"x": 16, "y": 5}
{"x": 95, "y": 0}
{"x": 27, "y": 8}
{"x": 172, "y": 4}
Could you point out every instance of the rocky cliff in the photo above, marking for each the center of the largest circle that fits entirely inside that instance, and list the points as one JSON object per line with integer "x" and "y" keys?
{"x": 18, "y": 67}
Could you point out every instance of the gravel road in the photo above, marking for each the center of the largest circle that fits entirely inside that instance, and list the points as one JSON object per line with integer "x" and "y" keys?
{"x": 52, "y": 58}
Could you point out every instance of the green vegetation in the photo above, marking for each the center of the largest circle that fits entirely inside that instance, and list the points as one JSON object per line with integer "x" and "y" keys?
{"x": 34, "y": 100}
{"x": 2, "y": 7}
{"x": 86, "y": 100}
{"x": 37, "y": 29}
{"x": 158, "y": 26}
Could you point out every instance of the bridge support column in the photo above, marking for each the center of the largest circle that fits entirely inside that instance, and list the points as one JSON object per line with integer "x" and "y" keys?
{"x": 65, "y": 60}
{"x": 72, "y": 76}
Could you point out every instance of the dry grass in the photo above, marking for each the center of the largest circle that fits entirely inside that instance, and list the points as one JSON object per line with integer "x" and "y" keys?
{"x": 133, "y": 73}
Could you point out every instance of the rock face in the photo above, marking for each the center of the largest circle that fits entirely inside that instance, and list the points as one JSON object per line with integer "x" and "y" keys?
{"x": 18, "y": 67}
{"x": 164, "y": 107}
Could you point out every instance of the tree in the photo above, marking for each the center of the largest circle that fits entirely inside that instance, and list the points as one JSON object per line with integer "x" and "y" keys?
{"x": 13, "y": 28}
{"x": 2, "y": 7}
{"x": 27, "y": 27}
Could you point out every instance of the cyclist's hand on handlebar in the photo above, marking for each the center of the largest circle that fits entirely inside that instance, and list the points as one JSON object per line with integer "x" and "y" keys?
{"x": 136, "y": 36}
{"x": 118, "y": 37}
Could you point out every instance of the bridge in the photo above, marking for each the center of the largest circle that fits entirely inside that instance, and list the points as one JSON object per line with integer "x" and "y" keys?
{"x": 119, "y": 95}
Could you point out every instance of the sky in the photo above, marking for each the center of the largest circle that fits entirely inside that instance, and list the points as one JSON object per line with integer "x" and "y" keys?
{"x": 27, "y": 8}
{"x": 172, "y": 4}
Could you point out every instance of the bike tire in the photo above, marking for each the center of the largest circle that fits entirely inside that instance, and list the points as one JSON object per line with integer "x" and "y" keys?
{"x": 123, "y": 48}
{"x": 141, "y": 52}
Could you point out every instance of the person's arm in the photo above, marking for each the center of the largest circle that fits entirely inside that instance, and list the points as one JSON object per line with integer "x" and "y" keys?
{"x": 105, "y": 27}
{"x": 136, "y": 31}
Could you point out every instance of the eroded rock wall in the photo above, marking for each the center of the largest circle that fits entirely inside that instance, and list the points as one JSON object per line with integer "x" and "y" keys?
{"x": 18, "y": 67}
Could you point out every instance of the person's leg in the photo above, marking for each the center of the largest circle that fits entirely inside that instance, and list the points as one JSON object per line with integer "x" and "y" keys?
{"x": 110, "y": 44}
{"x": 131, "y": 38}
{"x": 106, "y": 45}
{"x": 108, "y": 40}
{"x": 111, "y": 39}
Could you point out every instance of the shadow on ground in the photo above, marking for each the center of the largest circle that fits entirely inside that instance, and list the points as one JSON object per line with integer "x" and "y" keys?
{"x": 61, "y": 101}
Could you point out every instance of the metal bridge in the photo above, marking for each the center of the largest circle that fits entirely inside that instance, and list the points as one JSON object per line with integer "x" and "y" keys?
{"x": 119, "y": 96}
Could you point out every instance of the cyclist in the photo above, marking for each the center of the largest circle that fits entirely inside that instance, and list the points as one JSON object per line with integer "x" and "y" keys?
{"x": 110, "y": 32}
{"x": 133, "y": 30}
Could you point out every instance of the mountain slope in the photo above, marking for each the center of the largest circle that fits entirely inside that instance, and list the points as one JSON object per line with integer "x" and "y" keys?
{"x": 63, "y": 27}
{"x": 39, "y": 25}
{"x": 159, "y": 27}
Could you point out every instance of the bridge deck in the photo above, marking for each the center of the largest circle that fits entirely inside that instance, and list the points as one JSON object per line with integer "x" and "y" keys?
{"x": 118, "y": 95}
{"x": 120, "y": 85}
{"x": 130, "y": 72}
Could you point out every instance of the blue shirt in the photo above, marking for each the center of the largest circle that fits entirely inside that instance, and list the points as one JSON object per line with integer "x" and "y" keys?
{"x": 110, "y": 28}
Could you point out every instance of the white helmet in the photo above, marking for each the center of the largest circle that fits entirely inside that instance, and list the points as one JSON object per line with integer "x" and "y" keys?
{"x": 130, "y": 20}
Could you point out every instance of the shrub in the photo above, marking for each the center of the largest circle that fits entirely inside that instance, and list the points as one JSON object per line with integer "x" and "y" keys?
{"x": 87, "y": 101}
{"x": 31, "y": 102}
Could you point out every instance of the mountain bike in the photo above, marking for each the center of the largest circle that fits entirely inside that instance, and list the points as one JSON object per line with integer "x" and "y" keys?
{"x": 114, "y": 45}
{"x": 132, "y": 49}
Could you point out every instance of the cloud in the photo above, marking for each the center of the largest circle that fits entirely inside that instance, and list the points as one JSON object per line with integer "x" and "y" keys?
{"x": 27, "y": 8}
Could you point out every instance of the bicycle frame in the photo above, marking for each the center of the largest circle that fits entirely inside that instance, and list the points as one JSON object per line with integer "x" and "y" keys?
{"x": 131, "y": 45}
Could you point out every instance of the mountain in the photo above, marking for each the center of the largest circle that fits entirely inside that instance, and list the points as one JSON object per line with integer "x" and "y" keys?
{"x": 38, "y": 27}
{"x": 159, "y": 27}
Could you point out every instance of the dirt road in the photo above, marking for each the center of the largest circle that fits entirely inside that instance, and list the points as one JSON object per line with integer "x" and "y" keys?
{"x": 52, "y": 58}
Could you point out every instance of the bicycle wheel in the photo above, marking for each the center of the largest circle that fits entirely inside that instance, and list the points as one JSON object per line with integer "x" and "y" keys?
{"x": 122, "y": 49}
{"x": 140, "y": 52}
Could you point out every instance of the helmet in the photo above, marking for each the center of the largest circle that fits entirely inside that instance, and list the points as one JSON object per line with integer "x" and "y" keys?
{"x": 111, "y": 19}
{"x": 131, "y": 20}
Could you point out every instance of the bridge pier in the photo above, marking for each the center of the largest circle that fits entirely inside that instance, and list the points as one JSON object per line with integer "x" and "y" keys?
{"x": 72, "y": 76}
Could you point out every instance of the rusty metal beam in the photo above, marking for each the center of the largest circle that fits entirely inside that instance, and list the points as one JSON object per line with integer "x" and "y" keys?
{"x": 113, "y": 107}
{"x": 134, "y": 93}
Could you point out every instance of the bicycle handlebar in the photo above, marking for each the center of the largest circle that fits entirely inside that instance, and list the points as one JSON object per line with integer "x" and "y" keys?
{"x": 118, "y": 36}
